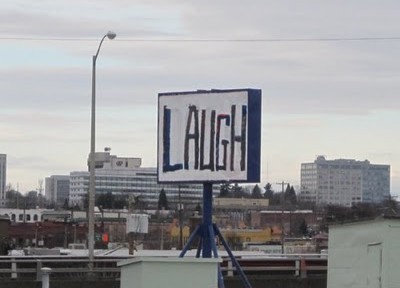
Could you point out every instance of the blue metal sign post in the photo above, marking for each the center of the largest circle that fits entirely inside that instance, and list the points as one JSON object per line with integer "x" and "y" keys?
{"x": 207, "y": 233}
{"x": 210, "y": 137}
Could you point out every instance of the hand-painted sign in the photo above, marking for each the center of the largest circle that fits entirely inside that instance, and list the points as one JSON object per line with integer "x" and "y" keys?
{"x": 209, "y": 136}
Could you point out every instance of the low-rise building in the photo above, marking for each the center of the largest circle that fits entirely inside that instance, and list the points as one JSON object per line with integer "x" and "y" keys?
{"x": 237, "y": 237}
{"x": 23, "y": 215}
{"x": 240, "y": 204}
{"x": 289, "y": 220}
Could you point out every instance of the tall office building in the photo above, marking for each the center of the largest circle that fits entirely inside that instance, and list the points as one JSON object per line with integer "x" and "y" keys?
{"x": 57, "y": 189}
{"x": 3, "y": 174}
{"x": 124, "y": 176}
{"x": 344, "y": 182}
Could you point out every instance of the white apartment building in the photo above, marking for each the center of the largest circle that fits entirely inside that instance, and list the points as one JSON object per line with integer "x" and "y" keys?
{"x": 3, "y": 174}
{"x": 125, "y": 176}
{"x": 344, "y": 182}
{"x": 57, "y": 189}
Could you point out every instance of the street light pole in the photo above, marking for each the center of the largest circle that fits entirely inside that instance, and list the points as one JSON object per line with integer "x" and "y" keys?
{"x": 92, "y": 164}
{"x": 180, "y": 219}
{"x": 282, "y": 216}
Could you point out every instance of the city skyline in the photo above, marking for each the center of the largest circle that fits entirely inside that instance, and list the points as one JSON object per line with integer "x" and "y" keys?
{"x": 325, "y": 90}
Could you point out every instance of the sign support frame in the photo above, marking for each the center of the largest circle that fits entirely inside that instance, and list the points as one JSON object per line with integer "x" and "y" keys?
{"x": 207, "y": 232}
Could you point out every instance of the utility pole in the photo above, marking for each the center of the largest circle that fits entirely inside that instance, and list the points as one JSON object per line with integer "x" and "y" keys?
{"x": 162, "y": 235}
{"x": 283, "y": 214}
{"x": 65, "y": 233}
{"x": 130, "y": 234}
{"x": 74, "y": 225}
{"x": 40, "y": 190}
{"x": 24, "y": 210}
{"x": 180, "y": 219}
{"x": 36, "y": 234}
{"x": 18, "y": 195}
{"x": 161, "y": 222}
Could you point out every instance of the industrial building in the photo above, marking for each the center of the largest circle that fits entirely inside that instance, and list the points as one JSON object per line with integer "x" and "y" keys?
{"x": 344, "y": 182}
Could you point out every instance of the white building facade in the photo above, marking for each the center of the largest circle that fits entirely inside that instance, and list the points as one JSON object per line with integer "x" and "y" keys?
{"x": 344, "y": 182}
{"x": 3, "y": 174}
{"x": 124, "y": 176}
{"x": 23, "y": 215}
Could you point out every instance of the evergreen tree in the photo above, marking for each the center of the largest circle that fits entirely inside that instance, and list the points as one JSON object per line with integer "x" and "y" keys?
{"x": 287, "y": 190}
{"x": 290, "y": 196}
{"x": 66, "y": 204}
{"x": 31, "y": 200}
{"x": 238, "y": 192}
{"x": 303, "y": 228}
{"x": 293, "y": 196}
{"x": 276, "y": 199}
{"x": 199, "y": 209}
{"x": 256, "y": 192}
{"x": 268, "y": 192}
{"x": 162, "y": 200}
{"x": 106, "y": 200}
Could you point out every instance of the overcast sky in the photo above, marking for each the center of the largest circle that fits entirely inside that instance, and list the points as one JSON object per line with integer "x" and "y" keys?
{"x": 334, "y": 98}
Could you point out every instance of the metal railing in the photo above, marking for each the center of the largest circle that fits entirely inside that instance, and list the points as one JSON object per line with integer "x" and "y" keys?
{"x": 295, "y": 266}
{"x": 30, "y": 268}
{"x": 74, "y": 268}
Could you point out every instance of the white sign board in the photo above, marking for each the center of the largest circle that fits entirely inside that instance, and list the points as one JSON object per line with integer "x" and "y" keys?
{"x": 137, "y": 223}
{"x": 209, "y": 136}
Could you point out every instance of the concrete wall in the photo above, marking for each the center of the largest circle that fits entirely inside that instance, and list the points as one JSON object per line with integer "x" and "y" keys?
{"x": 244, "y": 203}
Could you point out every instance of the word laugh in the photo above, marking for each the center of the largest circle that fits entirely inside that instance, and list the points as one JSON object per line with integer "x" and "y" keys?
{"x": 217, "y": 147}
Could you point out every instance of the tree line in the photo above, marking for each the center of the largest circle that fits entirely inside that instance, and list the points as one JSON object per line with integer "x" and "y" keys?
{"x": 288, "y": 197}
{"x": 33, "y": 199}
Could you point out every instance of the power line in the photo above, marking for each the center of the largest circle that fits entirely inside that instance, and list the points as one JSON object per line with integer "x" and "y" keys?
{"x": 46, "y": 39}
{"x": 331, "y": 39}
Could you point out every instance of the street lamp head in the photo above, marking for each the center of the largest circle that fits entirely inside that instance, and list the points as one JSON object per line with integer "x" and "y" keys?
{"x": 111, "y": 35}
